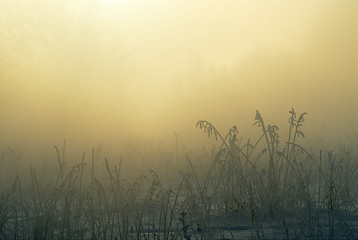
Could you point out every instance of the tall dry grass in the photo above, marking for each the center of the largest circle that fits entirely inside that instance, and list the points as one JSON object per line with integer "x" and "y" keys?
{"x": 268, "y": 188}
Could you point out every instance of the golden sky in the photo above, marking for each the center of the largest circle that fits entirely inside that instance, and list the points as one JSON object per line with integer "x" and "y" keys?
{"x": 93, "y": 71}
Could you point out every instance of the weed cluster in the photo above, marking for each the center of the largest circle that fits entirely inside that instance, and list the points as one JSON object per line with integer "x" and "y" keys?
{"x": 252, "y": 190}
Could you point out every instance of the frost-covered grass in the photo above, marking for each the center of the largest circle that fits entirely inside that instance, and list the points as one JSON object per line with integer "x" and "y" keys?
{"x": 266, "y": 189}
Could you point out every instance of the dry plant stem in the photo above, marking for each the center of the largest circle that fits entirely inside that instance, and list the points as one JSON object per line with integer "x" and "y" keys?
{"x": 92, "y": 200}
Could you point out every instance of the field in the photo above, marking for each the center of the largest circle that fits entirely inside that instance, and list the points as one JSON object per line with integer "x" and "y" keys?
{"x": 132, "y": 119}
{"x": 270, "y": 188}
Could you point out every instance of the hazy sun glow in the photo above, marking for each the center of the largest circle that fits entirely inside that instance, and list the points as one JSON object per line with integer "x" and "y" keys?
{"x": 148, "y": 68}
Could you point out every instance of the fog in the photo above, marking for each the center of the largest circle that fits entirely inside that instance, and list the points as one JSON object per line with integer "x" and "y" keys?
{"x": 119, "y": 71}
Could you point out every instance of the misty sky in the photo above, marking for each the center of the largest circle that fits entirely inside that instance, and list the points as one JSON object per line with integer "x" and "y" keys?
{"x": 92, "y": 71}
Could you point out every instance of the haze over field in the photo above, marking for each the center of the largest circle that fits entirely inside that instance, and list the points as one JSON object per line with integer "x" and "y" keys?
{"x": 93, "y": 71}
